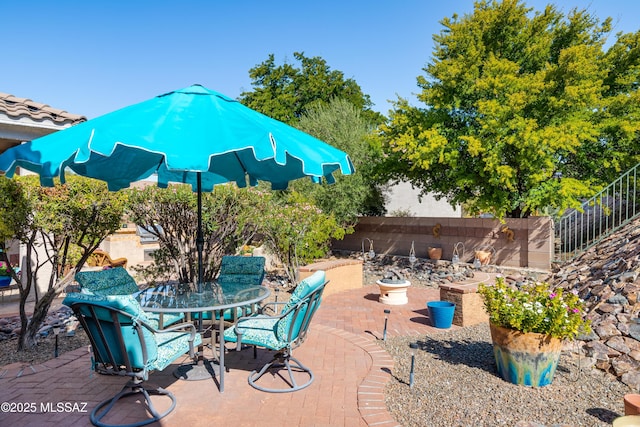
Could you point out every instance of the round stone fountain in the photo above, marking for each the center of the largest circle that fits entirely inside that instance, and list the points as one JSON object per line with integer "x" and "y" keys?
{"x": 393, "y": 289}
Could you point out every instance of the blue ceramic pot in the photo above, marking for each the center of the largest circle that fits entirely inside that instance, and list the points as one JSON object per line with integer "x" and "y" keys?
{"x": 5, "y": 281}
{"x": 528, "y": 359}
{"x": 441, "y": 313}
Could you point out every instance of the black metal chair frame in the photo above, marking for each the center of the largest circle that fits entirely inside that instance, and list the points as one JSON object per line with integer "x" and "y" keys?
{"x": 111, "y": 366}
{"x": 283, "y": 357}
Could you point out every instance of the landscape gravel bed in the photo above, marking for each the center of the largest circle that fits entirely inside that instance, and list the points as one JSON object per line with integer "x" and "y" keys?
{"x": 456, "y": 384}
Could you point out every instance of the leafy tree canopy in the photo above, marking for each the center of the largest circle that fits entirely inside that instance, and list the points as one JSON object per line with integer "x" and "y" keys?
{"x": 285, "y": 92}
{"x": 59, "y": 227}
{"x": 513, "y": 98}
{"x": 341, "y": 124}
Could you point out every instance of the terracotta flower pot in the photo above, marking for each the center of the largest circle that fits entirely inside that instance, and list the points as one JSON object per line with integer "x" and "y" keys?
{"x": 632, "y": 404}
{"x": 434, "y": 253}
{"x": 528, "y": 358}
{"x": 483, "y": 256}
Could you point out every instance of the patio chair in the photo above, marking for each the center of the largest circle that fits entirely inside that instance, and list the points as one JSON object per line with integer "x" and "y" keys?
{"x": 117, "y": 281}
{"x": 241, "y": 270}
{"x": 125, "y": 343}
{"x": 237, "y": 271}
{"x": 282, "y": 333}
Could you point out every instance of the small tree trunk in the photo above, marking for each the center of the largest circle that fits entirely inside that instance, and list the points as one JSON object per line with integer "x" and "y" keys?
{"x": 29, "y": 327}
{"x": 29, "y": 336}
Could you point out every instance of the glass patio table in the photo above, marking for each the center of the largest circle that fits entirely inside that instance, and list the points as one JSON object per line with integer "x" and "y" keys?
{"x": 214, "y": 298}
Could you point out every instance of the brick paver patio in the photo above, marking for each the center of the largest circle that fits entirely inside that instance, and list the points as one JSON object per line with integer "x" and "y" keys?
{"x": 350, "y": 370}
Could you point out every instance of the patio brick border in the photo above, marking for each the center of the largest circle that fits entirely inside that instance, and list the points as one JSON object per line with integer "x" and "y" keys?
{"x": 371, "y": 402}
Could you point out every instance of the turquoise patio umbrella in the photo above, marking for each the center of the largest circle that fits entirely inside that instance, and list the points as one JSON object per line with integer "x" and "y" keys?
{"x": 195, "y": 136}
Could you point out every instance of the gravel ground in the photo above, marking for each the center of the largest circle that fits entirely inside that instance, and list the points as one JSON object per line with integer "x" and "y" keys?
{"x": 456, "y": 384}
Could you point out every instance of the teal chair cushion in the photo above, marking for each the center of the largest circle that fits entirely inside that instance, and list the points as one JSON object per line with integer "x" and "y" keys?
{"x": 170, "y": 345}
{"x": 241, "y": 270}
{"x": 272, "y": 331}
{"x": 305, "y": 287}
{"x": 259, "y": 330}
{"x": 129, "y": 305}
{"x": 118, "y": 281}
{"x": 168, "y": 319}
{"x": 237, "y": 272}
{"x": 111, "y": 281}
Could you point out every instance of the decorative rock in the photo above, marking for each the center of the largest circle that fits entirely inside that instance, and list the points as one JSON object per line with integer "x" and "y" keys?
{"x": 632, "y": 379}
{"x": 618, "y": 344}
{"x": 607, "y": 330}
{"x": 623, "y": 364}
{"x": 610, "y": 308}
{"x": 607, "y": 277}
{"x": 598, "y": 350}
{"x": 618, "y": 299}
{"x": 629, "y": 276}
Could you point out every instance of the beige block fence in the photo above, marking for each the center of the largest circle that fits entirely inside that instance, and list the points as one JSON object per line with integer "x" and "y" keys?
{"x": 517, "y": 242}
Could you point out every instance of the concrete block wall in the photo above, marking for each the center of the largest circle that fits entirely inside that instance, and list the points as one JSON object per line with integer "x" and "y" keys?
{"x": 518, "y": 242}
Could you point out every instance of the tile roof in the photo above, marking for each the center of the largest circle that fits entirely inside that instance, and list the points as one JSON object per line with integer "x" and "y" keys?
{"x": 16, "y": 107}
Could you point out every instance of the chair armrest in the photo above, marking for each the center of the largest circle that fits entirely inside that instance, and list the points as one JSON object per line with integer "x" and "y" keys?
{"x": 182, "y": 327}
{"x": 252, "y": 317}
{"x": 262, "y": 307}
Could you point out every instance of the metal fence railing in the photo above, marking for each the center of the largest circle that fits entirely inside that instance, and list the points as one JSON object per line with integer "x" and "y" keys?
{"x": 601, "y": 215}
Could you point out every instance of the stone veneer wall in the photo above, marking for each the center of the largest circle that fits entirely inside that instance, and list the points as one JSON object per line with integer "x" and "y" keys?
{"x": 469, "y": 304}
{"x": 528, "y": 242}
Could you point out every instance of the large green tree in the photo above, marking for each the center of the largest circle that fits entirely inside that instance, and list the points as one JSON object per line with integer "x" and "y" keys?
{"x": 342, "y": 125}
{"x": 285, "y": 91}
{"x": 321, "y": 102}
{"x": 513, "y": 98}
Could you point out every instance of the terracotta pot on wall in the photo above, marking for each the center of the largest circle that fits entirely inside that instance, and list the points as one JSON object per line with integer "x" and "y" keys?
{"x": 434, "y": 253}
{"x": 483, "y": 256}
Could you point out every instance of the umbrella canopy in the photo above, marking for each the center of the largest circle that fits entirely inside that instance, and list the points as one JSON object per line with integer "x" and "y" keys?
{"x": 178, "y": 136}
{"x": 195, "y": 136}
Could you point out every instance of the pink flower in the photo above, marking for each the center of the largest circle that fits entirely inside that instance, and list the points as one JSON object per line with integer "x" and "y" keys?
{"x": 552, "y": 295}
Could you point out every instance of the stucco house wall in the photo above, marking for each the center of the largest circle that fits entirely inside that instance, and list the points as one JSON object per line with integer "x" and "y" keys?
{"x": 403, "y": 198}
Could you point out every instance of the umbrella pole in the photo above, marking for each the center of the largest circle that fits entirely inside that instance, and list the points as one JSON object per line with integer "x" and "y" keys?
{"x": 200, "y": 245}
{"x": 199, "y": 235}
{"x": 200, "y": 369}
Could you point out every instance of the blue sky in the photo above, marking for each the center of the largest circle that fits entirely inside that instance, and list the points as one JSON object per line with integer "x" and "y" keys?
{"x": 92, "y": 57}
